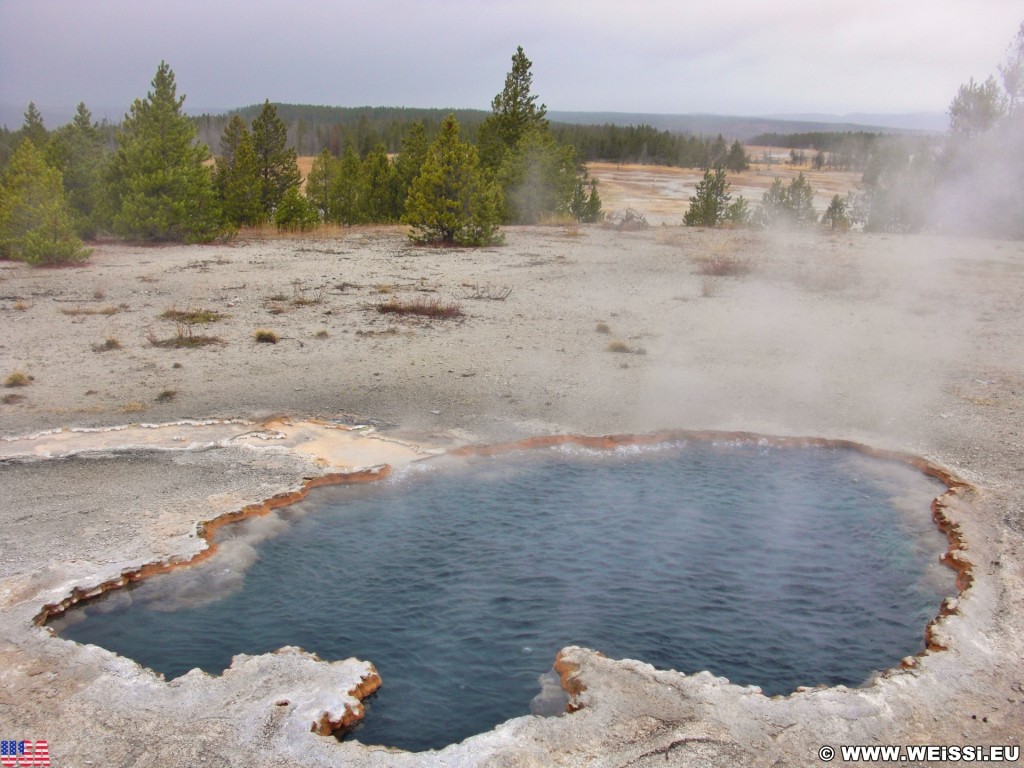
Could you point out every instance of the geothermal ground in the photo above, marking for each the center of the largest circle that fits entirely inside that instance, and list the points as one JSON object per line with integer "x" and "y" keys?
{"x": 910, "y": 344}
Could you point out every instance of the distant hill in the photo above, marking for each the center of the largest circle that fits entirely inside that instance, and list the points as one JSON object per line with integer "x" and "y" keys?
{"x": 743, "y": 128}
{"x": 730, "y": 126}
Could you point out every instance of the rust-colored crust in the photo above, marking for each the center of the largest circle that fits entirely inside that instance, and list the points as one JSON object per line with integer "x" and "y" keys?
{"x": 207, "y": 530}
{"x": 325, "y": 726}
{"x": 569, "y": 675}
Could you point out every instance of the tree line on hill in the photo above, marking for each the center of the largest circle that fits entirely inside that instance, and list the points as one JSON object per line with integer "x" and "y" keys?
{"x": 314, "y": 129}
{"x": 156, "y": 183}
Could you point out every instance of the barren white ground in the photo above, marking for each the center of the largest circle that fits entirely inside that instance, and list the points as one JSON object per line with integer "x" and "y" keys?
{"x": 904, "y": 343}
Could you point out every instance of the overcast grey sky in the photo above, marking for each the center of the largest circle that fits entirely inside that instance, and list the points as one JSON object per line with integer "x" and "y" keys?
{"x": 740, "y": 57}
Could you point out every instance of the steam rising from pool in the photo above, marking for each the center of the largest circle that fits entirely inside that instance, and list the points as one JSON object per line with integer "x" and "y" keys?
{"x": 461, "y": 579}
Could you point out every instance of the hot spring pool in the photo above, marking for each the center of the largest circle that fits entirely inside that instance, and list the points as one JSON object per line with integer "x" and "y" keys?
{"x": 461, "y": 579}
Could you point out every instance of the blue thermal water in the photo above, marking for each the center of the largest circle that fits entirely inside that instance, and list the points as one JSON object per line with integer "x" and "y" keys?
{"x": 776, "y": 567}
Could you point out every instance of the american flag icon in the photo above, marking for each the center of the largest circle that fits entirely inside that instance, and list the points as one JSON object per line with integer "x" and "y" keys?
{"x": 23, "y": 754}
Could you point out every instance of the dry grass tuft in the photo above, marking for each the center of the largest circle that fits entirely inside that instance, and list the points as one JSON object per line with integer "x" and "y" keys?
{"x": 603, "y": 327}
{"x": 107, "y": 310}
{"x": 109, "y": 345}
{"x": 303, "y": 297}
{"x": 725, "y": 265}
{"x": 265, "y": 336}
{"x": 435, "y": 309}
{"x": 12, "y": 398}
{"x": 322, "y": 334}
{"x": 185, "y": 337}
{"x": 21, "y": 306}
{"x": 392, "y": 331}
{"x": 167, "y": 395}
{"x": 193, "y": 316}
{"x": 618, "y": 346}
{"x": 552, "y": 219}
{"x": 18, "y": 379}
{"x": 133, "y": 407}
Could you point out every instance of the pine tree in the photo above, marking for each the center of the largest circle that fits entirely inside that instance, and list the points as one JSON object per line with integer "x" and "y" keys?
{"x": 538, "y": 177}
{"x": 237, "y": 177}
{"x": 278, "y": 168}
{"x": 1012, "y": 72}
{"x": 320, "y": 182}
{"x": 381, "y": 203}
{"x": 514, "y": 112}
{"x": 835, "y": 217}
{"x": 346, "y": 201}
{"x": 737, "y": 159}
{"x": 976, "y": 108}
{"x": 232, "y": 137}
{"x": 295, "y": 213}
{"x": 709, "y": 206}
{"x": 792, "y": 205}
{"x": 78, "y": 150}
{"x": 586, "y": 205}
{"x": 158, "y": 185}
{"x": 33, "y": 128}
{"x": 409, "y": 162}
{"x": 452, "y": 200}
{"x": 35, "y": 223}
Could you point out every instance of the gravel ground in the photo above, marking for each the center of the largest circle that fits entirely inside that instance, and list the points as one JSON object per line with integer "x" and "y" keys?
{"x": 910, "y": 344}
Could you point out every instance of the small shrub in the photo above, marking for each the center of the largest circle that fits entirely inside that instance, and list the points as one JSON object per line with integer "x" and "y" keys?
{"x": 107, "y": 310}
{"x": 302, "y": 296}
{"x": 488, "y": 292}
{"x": 603, "y": 328}
{"x": 322, "y": 334}
{"x": 167, "y": 396}
{"x": 432, "y": 308}
{"x": 630, "y": 221}
{"x": 12, "y": 398}
{"x": 192, "y": 316}
{"x": 618, "y": 346}
{"x": 265, "y": 336}
{"x": 18, "y": 379}
{"x": 724, "y": 265}
{"x": 295, "y": 213}
{"x": 184, "y": 337}
{"x": 107, "y": 346}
